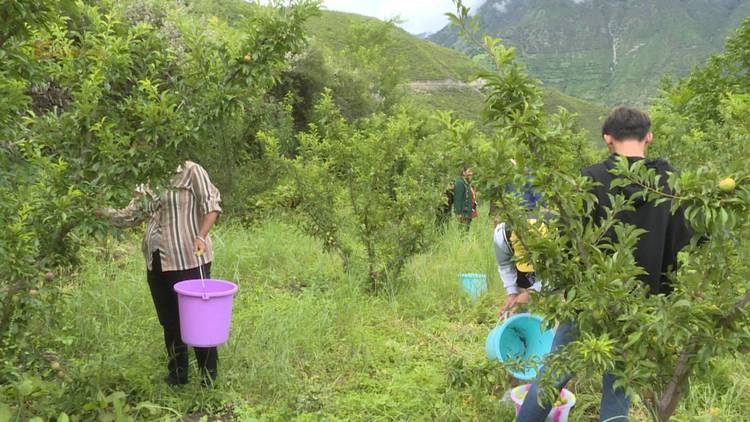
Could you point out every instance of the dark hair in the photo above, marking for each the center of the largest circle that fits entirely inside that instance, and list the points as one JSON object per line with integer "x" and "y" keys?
{"x": 626, "y": 123}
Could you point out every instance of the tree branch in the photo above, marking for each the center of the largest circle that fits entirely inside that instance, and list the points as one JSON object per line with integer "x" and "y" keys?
{"x": 676, "y": 387}
{"x": 8, "y": 306}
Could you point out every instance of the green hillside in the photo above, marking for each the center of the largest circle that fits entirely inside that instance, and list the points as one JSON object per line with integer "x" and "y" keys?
{"x": 608, "y": 51}
{"x": 426, "y": 61}
{"x": 468, "y": 104}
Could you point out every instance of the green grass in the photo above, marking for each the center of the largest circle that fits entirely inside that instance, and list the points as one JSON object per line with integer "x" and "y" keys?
{"x": 308, "y": 344}
{"x": 305, "y": 340}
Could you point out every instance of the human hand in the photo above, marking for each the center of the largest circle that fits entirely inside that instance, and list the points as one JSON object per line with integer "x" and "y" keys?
{"x": 199, "y": 246}
{"x": 523, "y": 297}
{"x": 512, "y": 301}
{"x": 505, "y": 309}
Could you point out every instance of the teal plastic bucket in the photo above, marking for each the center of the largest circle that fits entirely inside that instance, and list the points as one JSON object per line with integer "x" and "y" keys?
{"x": 473, "y": 284}
{"x": 520, "y": 337}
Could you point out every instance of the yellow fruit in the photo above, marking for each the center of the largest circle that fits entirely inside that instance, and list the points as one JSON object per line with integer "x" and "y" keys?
{"x": 33, "y": 292}
{"x": 60, "y": 374}
{"x": 55, "y": 365}
{"x": 727, "y": 184}
{"x": 247, "y": 57}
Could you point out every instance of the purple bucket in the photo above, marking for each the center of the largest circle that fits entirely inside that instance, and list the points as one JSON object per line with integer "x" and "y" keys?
{"x": 205, "y": 315}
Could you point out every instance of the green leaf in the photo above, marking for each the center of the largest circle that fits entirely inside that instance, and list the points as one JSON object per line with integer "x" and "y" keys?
{"x": 25, "y": 388}
{"x": 724, "y": 216}
{"x": 5, "y": 413}
{"x": 683, "y": 303}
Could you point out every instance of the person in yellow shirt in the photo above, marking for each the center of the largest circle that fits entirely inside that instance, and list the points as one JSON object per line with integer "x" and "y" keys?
{"x": 516, "y": 272}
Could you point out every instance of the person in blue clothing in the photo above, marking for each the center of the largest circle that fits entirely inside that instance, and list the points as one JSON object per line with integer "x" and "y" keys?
{"x": 529, "y": 197}
{"x": 627, "y": 134}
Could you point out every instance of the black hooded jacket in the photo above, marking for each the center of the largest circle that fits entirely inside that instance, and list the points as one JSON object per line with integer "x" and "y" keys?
{"x": 666, "y": 233}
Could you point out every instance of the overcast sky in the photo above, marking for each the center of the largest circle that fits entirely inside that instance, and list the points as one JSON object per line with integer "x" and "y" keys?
{"x": 418, "y": 16}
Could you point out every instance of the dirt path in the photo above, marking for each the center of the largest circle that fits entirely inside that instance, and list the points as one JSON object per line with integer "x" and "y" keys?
{"x": 443, "y": 84}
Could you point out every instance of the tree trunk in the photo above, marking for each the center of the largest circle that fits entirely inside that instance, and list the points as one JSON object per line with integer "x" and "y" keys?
{"x": 668, "y": 402}
{"x": 675, "y": 390}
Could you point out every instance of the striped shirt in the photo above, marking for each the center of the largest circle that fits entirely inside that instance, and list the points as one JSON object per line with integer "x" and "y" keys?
{"x": 174, "y": 217}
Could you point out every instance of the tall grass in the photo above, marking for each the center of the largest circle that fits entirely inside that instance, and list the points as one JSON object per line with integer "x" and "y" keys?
{"x": 308, "y": 344}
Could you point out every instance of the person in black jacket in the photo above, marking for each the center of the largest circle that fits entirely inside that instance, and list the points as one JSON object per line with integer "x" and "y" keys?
{"x": 626, "y": 132}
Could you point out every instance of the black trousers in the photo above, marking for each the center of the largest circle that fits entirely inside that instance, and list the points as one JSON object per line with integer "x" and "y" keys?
{"x": 162, "y": 284}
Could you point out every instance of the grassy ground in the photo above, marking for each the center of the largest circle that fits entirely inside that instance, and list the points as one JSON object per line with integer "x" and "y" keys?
{"x": 308, "y": 344}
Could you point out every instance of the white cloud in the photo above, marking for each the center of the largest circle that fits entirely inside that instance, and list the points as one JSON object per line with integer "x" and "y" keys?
{"x": 502, "y": 6}
{"x": 417, "y": 16}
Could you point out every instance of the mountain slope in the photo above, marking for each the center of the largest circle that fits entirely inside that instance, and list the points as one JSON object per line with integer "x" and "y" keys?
{"x": 424, "y": 60}
{"x": 608, "y": 51}
{"x": 443, "y": 69}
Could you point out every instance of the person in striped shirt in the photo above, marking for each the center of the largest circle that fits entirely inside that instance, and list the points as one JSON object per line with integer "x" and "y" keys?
{"x": 176, "y": 247}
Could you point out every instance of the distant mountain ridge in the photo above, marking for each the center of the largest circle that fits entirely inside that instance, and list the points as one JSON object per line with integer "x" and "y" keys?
{"x": 607, "y": 51}
{"x": 439, "y": 77}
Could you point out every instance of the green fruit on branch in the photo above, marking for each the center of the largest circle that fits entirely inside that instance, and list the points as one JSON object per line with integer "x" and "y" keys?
{"x": 727, "y": 184}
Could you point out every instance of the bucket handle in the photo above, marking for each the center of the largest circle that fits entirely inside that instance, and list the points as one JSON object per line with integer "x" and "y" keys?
{"x": 200, "y": 268}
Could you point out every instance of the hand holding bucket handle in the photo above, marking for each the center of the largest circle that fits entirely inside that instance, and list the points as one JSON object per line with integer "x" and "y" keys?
{"x": 200, "y": 245}
{"x": 199, "y": 254}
